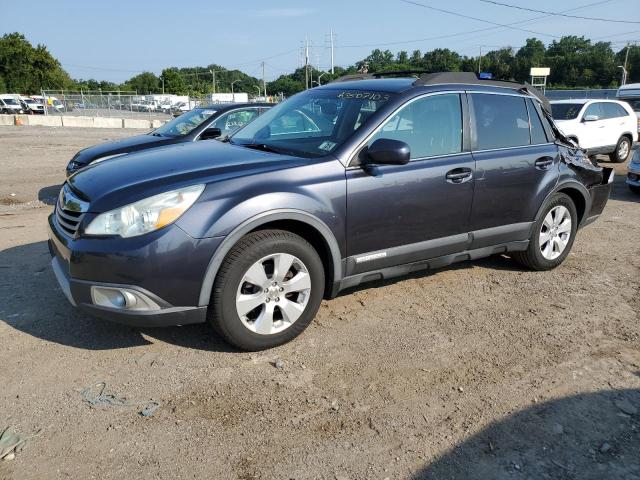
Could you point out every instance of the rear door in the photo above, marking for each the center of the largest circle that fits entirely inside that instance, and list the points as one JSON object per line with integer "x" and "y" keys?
{"x": 617, "y": 122}
{"x": 517, "y": 166}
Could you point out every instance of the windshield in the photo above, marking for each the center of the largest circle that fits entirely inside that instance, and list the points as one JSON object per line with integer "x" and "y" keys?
{"x": 312, "y": 123}
{"x": 635, "y": 103}
{"x": 185, "y": 123}
{"x": 29, "y": 101}
{"x": 9, "y": 101}
{"x": 565, "y": 111}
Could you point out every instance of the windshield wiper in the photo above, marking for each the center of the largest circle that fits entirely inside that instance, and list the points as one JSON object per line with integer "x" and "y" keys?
{"x": 259, "y": 146}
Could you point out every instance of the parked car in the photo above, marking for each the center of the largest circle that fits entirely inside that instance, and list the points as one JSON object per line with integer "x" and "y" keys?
{"x": 630, "y": 93}
{"x": 252, "y": 233}
{"x": 199, "y": 124}
{"x": 179, "y": 108}
{"x": 8, "y": 104}
{"x": 29, "y": 105}
{"x": 633, "y": 174}
{"x": 605, "y": 127}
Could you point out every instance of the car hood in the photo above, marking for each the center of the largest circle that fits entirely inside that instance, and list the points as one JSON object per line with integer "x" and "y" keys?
{"x": 130, "y": 144}
{"x": 126, "y": 179}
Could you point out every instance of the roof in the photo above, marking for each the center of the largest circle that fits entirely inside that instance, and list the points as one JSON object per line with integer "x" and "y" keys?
{"x": 227, "y": 106}
{"x": 582, "y": 101}
{"x": 379, "y": 81}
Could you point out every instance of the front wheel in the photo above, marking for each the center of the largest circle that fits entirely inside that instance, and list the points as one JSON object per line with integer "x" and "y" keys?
{"x": 552, "y": 236}
{"x": 622, "y": 151}
{"x": 267, "y": 291}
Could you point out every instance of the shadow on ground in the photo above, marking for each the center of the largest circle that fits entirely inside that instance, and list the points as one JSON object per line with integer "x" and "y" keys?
{"x": 49, "y": 195}
{"x": 32, "y": 302}
{"x": 588, "y": 436}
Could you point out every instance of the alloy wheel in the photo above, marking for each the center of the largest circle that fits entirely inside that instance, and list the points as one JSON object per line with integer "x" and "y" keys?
{"x": 273, "y": 293}
{"x": 555, "y": 232}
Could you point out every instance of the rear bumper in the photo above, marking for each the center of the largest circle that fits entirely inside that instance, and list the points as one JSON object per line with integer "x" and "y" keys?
{"x": 599, "y": 196}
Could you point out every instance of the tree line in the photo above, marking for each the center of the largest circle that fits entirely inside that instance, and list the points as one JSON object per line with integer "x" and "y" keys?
{"x": 575, "y": 62}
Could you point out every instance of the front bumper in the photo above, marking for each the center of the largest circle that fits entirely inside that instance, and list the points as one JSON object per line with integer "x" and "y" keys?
{"x": 167, "y": 267}
{"x": 633, "y": 174}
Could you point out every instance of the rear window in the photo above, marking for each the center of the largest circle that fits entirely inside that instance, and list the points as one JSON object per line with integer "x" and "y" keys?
{"x": 565, "y": 111}
{"x": 613, "y": 110}
{"x": 635, "y": 104}
{"x": 538, "y": 135}
{"x": 501, "y": 121}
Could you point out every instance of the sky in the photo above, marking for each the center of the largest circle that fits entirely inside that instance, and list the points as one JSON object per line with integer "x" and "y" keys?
{"x": 117, "y": 39}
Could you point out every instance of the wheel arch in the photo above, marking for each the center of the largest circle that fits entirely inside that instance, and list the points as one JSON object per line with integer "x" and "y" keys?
{"x": 578, "y": 194}
{"x": 312, "y": 229}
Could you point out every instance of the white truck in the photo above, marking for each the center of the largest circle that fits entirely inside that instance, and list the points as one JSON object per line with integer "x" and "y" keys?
{"x": 630, "y": 93}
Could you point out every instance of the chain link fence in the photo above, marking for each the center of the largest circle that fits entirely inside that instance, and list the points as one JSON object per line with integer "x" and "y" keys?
{"x": 119, "y": 104}
{"x": 587, "y": 94}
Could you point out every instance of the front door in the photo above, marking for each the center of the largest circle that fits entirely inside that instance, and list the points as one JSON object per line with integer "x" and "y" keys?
{"x": 403, "y": 213}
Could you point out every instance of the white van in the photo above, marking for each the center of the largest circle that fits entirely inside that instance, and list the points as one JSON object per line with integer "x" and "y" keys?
{"x": 630, "y": 93}
{"x": 9, "y": 104}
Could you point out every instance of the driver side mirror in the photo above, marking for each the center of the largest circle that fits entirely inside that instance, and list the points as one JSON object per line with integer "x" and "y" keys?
{"x": 386, "y": 151}
{"x": 210, "y": 133}
{"x": 590, "y": 118}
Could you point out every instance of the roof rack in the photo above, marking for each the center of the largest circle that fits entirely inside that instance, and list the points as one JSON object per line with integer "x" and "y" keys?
{"x": 467, "y": 78}
{"x": 470, "y": 78}
{"x": 374, "y": 75}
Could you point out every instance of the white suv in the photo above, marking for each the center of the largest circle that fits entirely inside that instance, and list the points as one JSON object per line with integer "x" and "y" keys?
{"x": 599, "y": 126}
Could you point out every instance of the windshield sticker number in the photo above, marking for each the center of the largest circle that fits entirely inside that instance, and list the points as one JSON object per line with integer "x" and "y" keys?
{"x": 327, "y": 146}
{"x": 374, "y": 96}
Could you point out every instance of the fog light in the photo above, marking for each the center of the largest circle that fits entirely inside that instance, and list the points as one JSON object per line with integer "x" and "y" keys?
{"x": 122, "y": 299}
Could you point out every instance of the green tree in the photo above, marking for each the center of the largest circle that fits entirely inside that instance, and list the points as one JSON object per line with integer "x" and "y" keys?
{"x": 173, "y": 81}
{"x": 143, "y": 83}
{"x": 28, "y": 69}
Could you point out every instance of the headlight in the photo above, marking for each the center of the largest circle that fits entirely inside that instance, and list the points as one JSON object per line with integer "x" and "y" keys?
{"x": 145, "y": 215}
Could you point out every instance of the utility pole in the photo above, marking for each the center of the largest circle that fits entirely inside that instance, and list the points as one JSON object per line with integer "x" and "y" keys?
{"x": 233, "y": 96}
{"x": 213, "y": 79}
{"x": 331, "y": 40}
{"x": 306, "y": 63}
{"x": 264, "y": 83}
{"x": 624, "y": 68}
{"x": 480, "y": 60}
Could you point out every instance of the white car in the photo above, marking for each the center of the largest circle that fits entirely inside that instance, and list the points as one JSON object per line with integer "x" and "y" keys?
{"x": 599, "y": 126}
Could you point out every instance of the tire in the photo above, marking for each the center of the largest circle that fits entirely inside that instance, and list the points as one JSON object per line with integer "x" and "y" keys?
{"x": 622, "y": 151}
{"x": 254, "y": 257}
{"x": 533, "y": 257}
{"x": 635, "y": 189}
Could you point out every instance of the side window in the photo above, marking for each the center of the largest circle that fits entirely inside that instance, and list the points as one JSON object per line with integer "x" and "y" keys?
{"x": 610, "y": 110}
{"x": 595, "y": 109}
{"x": 232, "y": 121}
{"x": 501, "y": 121}
{"x": 537, "y": 130}
{"x": 431, "y": 126}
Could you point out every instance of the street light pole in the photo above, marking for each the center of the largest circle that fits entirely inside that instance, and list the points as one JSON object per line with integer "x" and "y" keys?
{"x": 213, "y": 79}
{"x": 233, "y": 95}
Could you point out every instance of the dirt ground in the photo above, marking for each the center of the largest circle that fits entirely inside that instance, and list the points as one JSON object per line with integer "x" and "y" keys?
{"x": 478, "y": 371}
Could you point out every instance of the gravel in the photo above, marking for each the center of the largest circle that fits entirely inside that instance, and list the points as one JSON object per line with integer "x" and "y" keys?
{"x": 380, "y": 395}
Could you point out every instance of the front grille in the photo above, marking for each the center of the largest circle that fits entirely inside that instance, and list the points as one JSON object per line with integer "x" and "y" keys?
{"x": 68, "y": 219}
{"x": 69, "y": 210}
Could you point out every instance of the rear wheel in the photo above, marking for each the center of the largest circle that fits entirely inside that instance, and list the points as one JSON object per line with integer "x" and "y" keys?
{"x": 267, "y": 291}
{"x": 622, "y": 151}
{"x": 552, "y": 236}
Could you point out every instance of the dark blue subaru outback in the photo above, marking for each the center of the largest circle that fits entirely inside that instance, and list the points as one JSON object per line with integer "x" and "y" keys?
{"x": 358, "y": 180}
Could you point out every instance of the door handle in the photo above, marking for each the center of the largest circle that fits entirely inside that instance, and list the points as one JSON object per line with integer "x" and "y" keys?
{"x": 459, "y": 175}
{"x": 543, "y": 163}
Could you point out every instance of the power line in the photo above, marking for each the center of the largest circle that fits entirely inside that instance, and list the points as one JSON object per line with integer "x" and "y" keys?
{"x": 517, "y": 7}
{"x": 466, "y": 32}
{"x": 469, "y": 17}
